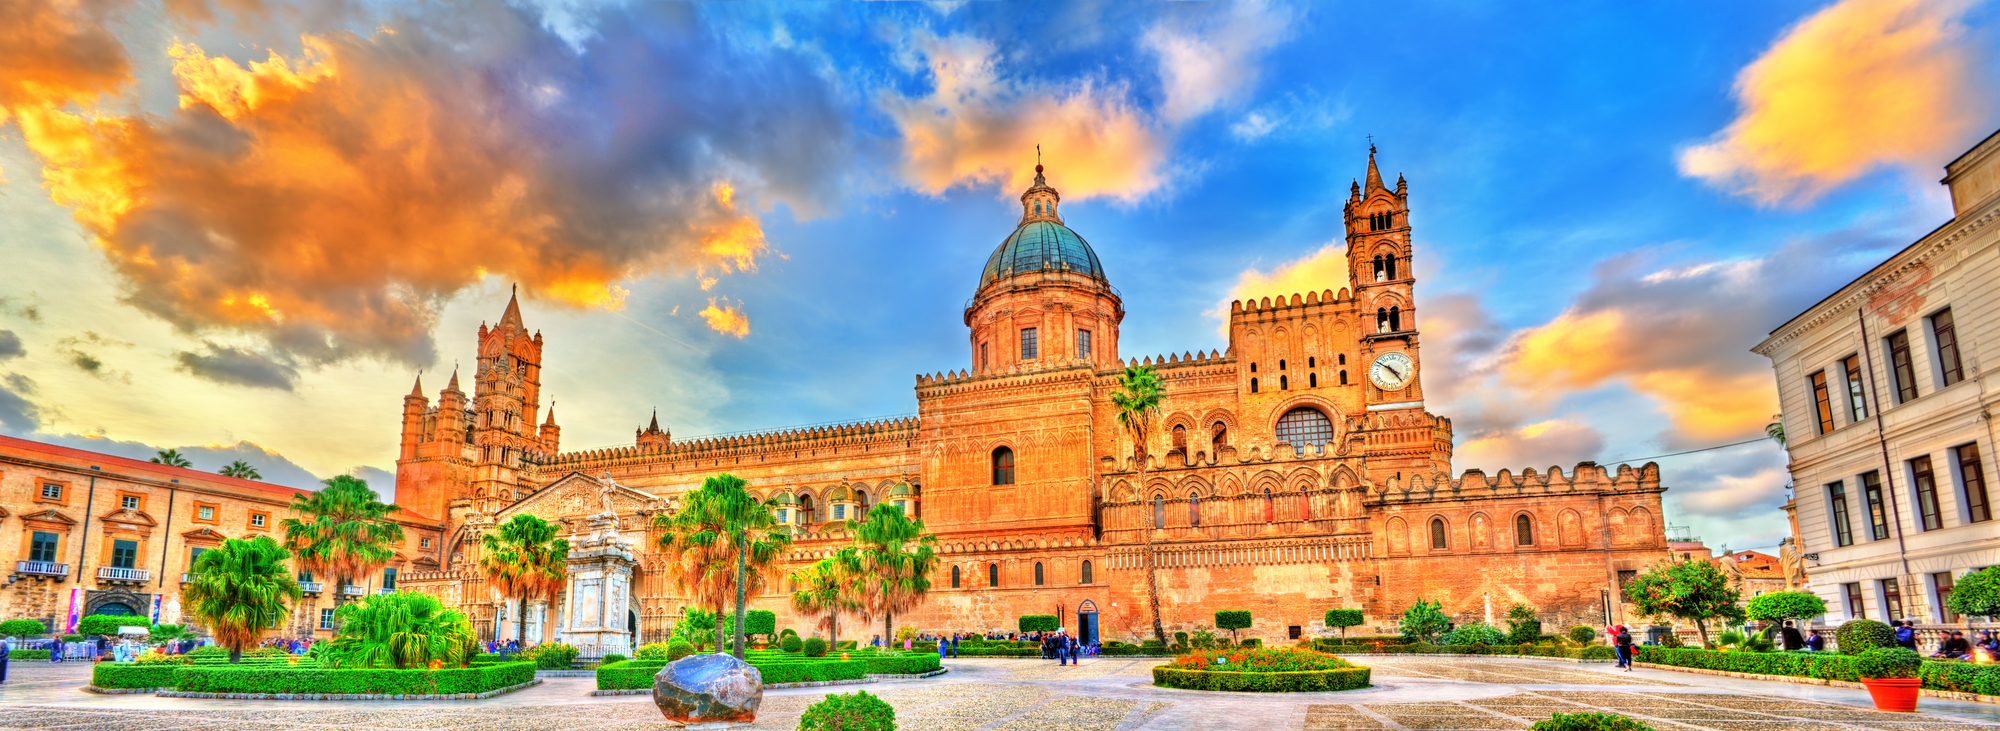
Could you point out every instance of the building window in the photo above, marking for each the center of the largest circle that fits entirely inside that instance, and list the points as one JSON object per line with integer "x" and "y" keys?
{"x": 1901, "y": 370}
{"x": 1294, "y": 631}
{"x": 1253, "y": 385}
{"x": 204, "y": 513}
{"x": 1343, "y": 359}
{"x": 195, "y": 554}
{"x": 1028, "y": 346}
{"x": 1822, "y": 404}
{"x": 305, "y": 576}
{"x": 1302, "y": 426}
{"x": 1855, "y": 609}
{"x": 982, "y": 356}
{"x": 326, "y": 619}
{"x": 1857, "y": 407}
{"x": 1972, "y": 479}
{"x": 389, "y": 578}
{"x": 1003, "y": 466}
{"x": 1524, "y": 530}
{"x": 1284, "y": 383}
{"x": 840, "y": 511}
{"x": 1343, "y": 378}
{"x": 1180, "y": 438}
{"x": 424, "y": 543}
{"x": 42, "y": 547}
{"x": 1925, "y": 483}
{"x": 1946, "y": 337}
{"x": 1312, "y": 362}
{"x": 124, "y": 553}
{"x": 1395, "y": 314}
{"x": 1038, "y": 573}
{"x": 1438, "y": 541}
{"x": 1892, "y": 599}
{"x": 51, "y": 491}
{"x": 1381, "y": 319}
{"x": 1312, "y": 380}
{"x": 258, "y": 520}
{"x": 1159, "y": 512}
{"x": 1843, "y": 532}
{"x": 1878, "y": 512}
{"x": 1943, "y": 581}
{"x": 992, "y": 574}
{"x": 1281, "y": 364}
{"x": 1083, "y": 343}
{"x": 1626, "y": 577}
{"x": 1270, "y": 508}
{"x": 1221, "y": 437}
{"x": 954, "y": 577}
{"x": 1253, "y": 367}
{"x": 128, "y": 502}
{"x": 1087, "y": 578}
{"x": 1194, "y": 509}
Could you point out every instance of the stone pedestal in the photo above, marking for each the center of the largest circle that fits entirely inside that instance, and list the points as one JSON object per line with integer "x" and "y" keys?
{"x": 600, "y": 587}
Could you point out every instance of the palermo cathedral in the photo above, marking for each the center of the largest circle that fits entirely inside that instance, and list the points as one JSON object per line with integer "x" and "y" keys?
{"x": 1297, "y": 472}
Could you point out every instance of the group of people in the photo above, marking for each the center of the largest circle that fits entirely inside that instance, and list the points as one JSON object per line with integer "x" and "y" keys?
{"x": 1952, "y": 644}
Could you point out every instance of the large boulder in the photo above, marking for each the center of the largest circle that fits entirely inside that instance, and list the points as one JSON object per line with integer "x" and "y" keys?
{"x": 709, "y": 689}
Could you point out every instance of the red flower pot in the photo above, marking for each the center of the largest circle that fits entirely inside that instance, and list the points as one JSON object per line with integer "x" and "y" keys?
{"x": 1894, "y": 694}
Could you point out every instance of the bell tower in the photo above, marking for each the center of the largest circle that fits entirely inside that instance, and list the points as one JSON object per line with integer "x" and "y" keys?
{"x": 1379, "y": 263}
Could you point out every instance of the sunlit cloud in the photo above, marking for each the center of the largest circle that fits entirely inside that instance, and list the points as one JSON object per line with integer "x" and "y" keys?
{"x": 1538, "y": 445}
{"x": 726, "y": 318}
{"x": 1325, "y": 269}
{"x": 1859, "y": 84}
{"x": 978, "y": 127}
{"x": 1205, "y": 65}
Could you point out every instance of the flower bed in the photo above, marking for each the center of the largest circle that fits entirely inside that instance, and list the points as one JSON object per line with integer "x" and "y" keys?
{"x": 291, "y": 680}
{"x": 114, "y": 675}
{"x": 1955, "y": 676}
{"x": 1276, "y": 670}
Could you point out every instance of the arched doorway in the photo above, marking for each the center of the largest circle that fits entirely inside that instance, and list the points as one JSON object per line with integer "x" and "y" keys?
{"x": 1086, "y": 622}
{"x": 632, "y": 626}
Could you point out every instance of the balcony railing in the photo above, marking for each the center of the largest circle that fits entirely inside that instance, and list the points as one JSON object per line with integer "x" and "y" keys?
{"x": 310, "y": 587}
{"x": 352, "y": 590}
{"x": 113, "y": 573}
{"x": 187, "y": 578}
{"x": 42, "y": 568}
{"x": 386, "y": 590}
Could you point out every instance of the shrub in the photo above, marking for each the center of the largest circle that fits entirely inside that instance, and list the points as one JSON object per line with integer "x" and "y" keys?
{"x": 1822, "y": 665}
{"x": 656, "y": 651}
{"x": 858, "y": 711}
{"x": 554, "y": 655}
{"x": 1181, "y": 639}
{"x": 1782, "y": 605}
{"x": 812, "y": 672}
{"x": 612, "y": 658}
{"x": 1253, "y": 642}
{"x": 1343, "y": 618}
{"x": 628, "y": 675}
{"x": 814, "y": 647}
{"x": 284, "y": 679}
{"x": 1476, "y": 633}
{"x": 74, "y": 638}
{"x": 1522, "y": 626}
{"x": 844, "y": 645}
{"x": 787, "y": 632}
{"x": 902, "y": 664}
{"x": 405, "y": 629}
{"x": 132, "y": 675}
{"x": 1589, "y": 722}
{"x": 265, "y": 652}
{"x": 22, "y": 628}
{"x": 155, "y": 657}
{"x": 1232, "y": 620}
{"x": 790, "y": 643}
{"x": 1960, "y": 676}
{"x": 678, "y": 649}
{"x": 1888, "y": 662}
{"x": 1037, "y": 623}
{"x": 1861, "y": 635}
{"x": 1581, "y": 634}
{"x": 23, "y": 655}
{"x": 1598, "y": 652}
{"x": 760, "y": 622}
{"x": 108, "y": 624}
{"x": 1977, "y": 594}
{"x": 1424, "y": 622}
{"x": 1303, "y": 681}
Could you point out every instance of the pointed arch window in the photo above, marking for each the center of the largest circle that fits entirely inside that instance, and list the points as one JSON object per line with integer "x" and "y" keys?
{"x": 1284, "y": 383}
{"x": 1312, "y": 380}
{"x": 1438, "y": 538}
{"x": 1003, "y": 466}
{"x": 954, "y": 577}
{"x": 1038, "y": 573}
{"x": 992, "y": 574}
{"x": 1159, "y": 512}
{"x": 1305, "y": 503}
{"x": 806, "y": 516}
{"x": 1381, "y": 319}
{"x": 1253, "y": 385}
{"x": 1221, "y": 438}
{"x": 1389, "y": 264}
{"x": 1180, "y": 438}
{"x": 1381, "y": 275}
{"x": 1395, "y": 319}
{"x": 1524, "y": 530}
{"x": 1087, "y": 578}
{"x": 1269, "y": 509}
{"x": 1343, "y": 378}
{"x": 1194, "y": 509}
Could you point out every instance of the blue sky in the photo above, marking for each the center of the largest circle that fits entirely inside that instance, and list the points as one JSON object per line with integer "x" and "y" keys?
{"x": 1612, "y": 203}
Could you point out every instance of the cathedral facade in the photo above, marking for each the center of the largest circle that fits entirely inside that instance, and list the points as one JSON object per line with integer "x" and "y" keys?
{"x": 1298, "y": 471}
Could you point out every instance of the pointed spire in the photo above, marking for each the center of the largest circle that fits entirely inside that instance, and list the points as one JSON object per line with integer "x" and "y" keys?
{"x": 655, "y": 426}
{"x": 513, "y": 314}
{"x": 418, "y": 390}
{"x": 453, "y": 386}
{"x": 1374, "y": 174}
{"x": 551, "y": 421}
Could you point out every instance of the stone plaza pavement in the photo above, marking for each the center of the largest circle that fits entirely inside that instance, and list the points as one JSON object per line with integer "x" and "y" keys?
{"x": 1109, "y": 694}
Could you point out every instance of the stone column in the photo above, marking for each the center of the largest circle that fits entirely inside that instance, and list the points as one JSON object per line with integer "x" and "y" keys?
{"x": 600, "y": 580}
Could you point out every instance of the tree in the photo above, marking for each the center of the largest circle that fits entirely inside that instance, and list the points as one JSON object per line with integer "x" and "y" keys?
{"x": 895, "y": 558}
{"x": 523, "y": 559}
{"x": 823, "y": 589}
{"x": 1138, "y": 401}
{"x": 166, "y": 633}
{"x": 1036, "y": 623}
{"x": 342, "y": 531}
{"x": 1232, "y": 620}
{"x": 1424, "y": 622}
{"x": 170, "y": 458}
{"x": 1691, "y": 590}
{"x": 1522, "y": 625}
{"x": 240, "y": 468}
{"x": 756, "y": 538}
{"x": 1343, "y": 618}
{"x": 719, "y": 534}
{"x": 405, "y": 629}
{"x": 22, "y": 628}
{"x": 761, "y": 622}
{"x": 241, "y": 589}
{"x": 696, "y": 628}
{"x": 1776, "y": 429}
{"x": 1977, "y": 594}
{"x": 1778, "y": 606}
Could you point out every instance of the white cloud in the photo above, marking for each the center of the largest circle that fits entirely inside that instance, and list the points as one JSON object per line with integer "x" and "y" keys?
{"x": 1206, "y": 65}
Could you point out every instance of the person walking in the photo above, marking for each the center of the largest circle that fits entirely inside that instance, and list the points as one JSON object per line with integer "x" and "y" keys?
{"x": 6, "y": 649}
{"x": 1789, "y": 635}
{"x": 1623, "y": 640}
{"x": 954, "y": 646}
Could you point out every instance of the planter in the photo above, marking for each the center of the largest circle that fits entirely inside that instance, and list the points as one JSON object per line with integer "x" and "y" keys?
{"x": 1894, "y": 694}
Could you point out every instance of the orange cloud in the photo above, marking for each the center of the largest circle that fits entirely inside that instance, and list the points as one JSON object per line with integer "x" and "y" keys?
{"x": 1321, "y": 270}
{"x": 727, "y": 319}
{"x": 1860, "y": 84}
{"x": 56, "y": 52}
{"x": 976, "y": 128}
{"x": 1538, "y": 445}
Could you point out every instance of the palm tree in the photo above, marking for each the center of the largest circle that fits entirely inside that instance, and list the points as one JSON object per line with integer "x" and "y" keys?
{"x": 406, "y": 629}
{"x": 240, "y": 590}
{"x": 524, "y": 560}
{"x": 1776, "y": 429}
{"x": 171, "y": 458}
{"x": 824, "y": 588}
{"x": 1138, "y": 401}
{"x": 695, "y": 536}
{"x": 754, "y": 536}
{"x": 895, "y": 557}
{"x": 242, "y": 469}
{"x": 346, "y": 532}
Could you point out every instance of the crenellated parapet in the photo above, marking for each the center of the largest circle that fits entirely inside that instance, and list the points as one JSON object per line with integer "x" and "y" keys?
{"x": 881, "y": 432}
{"x": 1473, "y": 484}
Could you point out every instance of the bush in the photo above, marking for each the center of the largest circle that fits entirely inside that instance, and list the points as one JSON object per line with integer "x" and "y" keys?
{"x": 265, "y": 652}
{"x": 284, "y": 679}
{"x": 678, "y": 649}
{"x": 74, "y": 638}
{"x": 858, "y": 711}
{"x": 1424, "y": 622}
{"x": 1476, "y": 633}
{"x": 656, "y": 651}
{"x": 1232, "y": 619}
{"x": 155, "y": 657}
{"x": 1037, "y": 623}
{"x": 812, "y": 672}
{"x": 133, "y": 675}
{"x": 108, "y": 624}
{"x": 790, "y": 643}
{"x": 628, "y": 675}
{"x": 1960, "y": 676}
{"x": 902, "y": 664}
{"x": 1598, "y": 652}
{"x": 552, "y": 655}
{"x": 1253, "y": 642}
{"x": 1589, "y": 722}
{"x": 1951, "y": 675}
{"x": 22, "y": 628}
{"x": 612, "y": 659}
{"x": 212, "y": 651}
{"x": 844, "y": 645}
{"x": 21, "y": 655}
{"x": 1888, "y": 662}
{"x": 1181, "y": 639}
{"x": 787, "y": 632}
{"x": 1783, "y": 605}
{"x": 405, "y": 629}
{"x": 1343, "y": 618}
{"x": 1303, "y": 681}
{"x": 1581, "y": 634}
{"x": 760, "y": 622}
{"x": 814, "y": 647}
{"x": 1976, "y": 594}
{"x": 1861, "y": 635}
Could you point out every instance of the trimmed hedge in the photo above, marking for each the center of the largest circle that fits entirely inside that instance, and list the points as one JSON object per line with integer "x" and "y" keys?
{"x": 204, "y": 679}
{"x": 20, "y": 655}
{"x": 628, "y": 675}
{"x": 903, "y": 664}
{"x": 1951, "y": 675}
{"x": 1593, "y": 652}
{"x": 638, "y": 674}
{"x": 1308, "y": 681}
{"x": 992, "y": 651}
{"x": 1589, "y": 722}
{"x": 1960, "y": 676}
{"x": 129, "y": 675}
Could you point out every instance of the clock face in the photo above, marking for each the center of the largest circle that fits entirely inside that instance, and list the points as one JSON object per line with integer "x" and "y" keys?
{"x": 1392, "y": 371}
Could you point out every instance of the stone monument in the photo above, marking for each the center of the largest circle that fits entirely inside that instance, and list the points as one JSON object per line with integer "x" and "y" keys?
{"x": 709, "y": 691}
{"x": 600, "y": 584}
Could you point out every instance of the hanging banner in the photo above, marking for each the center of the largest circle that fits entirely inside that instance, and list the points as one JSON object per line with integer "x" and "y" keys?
{"x": 156, "y": 609}
{"x": 75, "y": 605}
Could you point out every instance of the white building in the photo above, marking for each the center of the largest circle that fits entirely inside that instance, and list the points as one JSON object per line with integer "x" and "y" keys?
{"x": 1890, "y": 388}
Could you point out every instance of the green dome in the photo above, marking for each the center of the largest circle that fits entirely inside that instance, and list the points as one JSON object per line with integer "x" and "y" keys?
{"x": 1042, "y": 245}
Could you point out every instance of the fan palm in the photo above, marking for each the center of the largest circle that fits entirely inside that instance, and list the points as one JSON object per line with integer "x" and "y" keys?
{"x": 1138, "y": 402}
{"x": 242, "y": 469}
{"x": 696, "y": 538}
{"x": 343, "y": 531}
{"x": 405, "y": 629}
{"x": 170, "y": 458}
{"x": 825, "y": 588}
{"x": 895, "y": 558}
{"x": 240, "y": 590}
{"x": 524, "y": 560}
{"x": 1776, "y": 429}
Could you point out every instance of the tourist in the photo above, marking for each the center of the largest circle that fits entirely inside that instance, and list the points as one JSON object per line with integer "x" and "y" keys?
{"x": 1790, "y": 638}
{"x": 954, "y": 645}
{"x": 1622, "y": 639}
{"x": 1906, "y": 634}
{"x": 1954, "y": 647}
{"x": 1815, "y": 642}
{"x": 1987, "y": 649}
{"x": 6, "y": 647}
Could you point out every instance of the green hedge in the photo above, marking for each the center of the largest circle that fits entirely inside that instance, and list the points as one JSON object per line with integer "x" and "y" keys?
{"x": 1950, "y": 675}
{"x": 638, "y": 674}
{"x": 903, "y": 665}
{"x": 1961, "y": 676}
{"x": 20, "y": 655}
{"x": 1595, "y": 652}
{"x": 128, "y": 675}
{"x": 992, "y": 651}
{"x": 206, "y": 679}
{"x": 1294, "y": 682}
{"x": 628, "y": 675}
